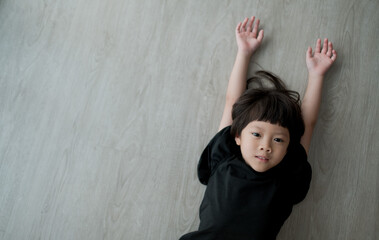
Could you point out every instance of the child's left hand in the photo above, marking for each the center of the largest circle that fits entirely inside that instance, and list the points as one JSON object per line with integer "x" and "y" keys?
{"x": 322, "y": 60}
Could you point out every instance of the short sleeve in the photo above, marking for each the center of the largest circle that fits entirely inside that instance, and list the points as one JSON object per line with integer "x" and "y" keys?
{"x": 217, "y": 150}
{"x": 300, "y": 172}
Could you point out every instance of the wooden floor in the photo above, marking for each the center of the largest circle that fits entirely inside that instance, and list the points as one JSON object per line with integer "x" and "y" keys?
{"x": 105, "y": 107}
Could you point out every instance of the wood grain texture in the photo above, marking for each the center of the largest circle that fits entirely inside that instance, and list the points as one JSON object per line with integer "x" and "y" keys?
{"x": 105, "y": 107}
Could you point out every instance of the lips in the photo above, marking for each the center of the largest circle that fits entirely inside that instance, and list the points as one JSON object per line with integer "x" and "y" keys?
{"x": 262, "y": 158}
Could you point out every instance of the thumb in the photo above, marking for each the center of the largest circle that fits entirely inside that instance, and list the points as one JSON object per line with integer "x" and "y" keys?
{"x": 309, "y": 53}
{"x": 260, "y": 36}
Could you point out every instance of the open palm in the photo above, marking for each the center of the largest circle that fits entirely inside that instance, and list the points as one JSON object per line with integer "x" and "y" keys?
{"x": 320, "y": 62}
{"x": 248, "y": 39}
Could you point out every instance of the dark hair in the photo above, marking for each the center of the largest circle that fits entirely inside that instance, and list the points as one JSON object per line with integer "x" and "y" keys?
{"x": 276, "y": 105}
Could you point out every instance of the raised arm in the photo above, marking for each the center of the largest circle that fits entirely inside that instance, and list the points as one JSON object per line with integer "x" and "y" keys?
{"x": 317, "y": 65}
{"x": 248, "y": 40}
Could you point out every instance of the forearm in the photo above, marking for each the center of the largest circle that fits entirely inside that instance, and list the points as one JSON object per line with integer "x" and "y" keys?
{"x": 312, "y": 99}
{"x": 237, "y": 81}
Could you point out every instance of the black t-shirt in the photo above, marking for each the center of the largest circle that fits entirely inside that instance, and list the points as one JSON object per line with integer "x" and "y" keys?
{"x": 241, "y": 203}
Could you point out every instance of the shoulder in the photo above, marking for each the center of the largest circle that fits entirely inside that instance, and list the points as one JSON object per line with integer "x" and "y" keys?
{"x": 298, "y": 151}
{"x": 222, "y": 143}
{"x": 220, "y": 147}
{"x": 297, "y": 159}
{"x": 299, "y": 172}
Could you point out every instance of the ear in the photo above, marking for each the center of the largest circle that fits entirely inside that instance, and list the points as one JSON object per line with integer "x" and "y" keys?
{"x": 238, "y": 140}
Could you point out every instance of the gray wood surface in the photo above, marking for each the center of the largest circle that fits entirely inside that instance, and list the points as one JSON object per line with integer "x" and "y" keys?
{"x": 105, "y": 107}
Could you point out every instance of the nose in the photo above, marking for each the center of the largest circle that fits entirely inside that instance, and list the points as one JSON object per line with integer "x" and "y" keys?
{"x": 265, "y": 146}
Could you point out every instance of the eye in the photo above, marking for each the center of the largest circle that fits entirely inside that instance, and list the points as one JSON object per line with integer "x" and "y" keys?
{"x": 278, "y": 140}
{"x": 256, "y": 134}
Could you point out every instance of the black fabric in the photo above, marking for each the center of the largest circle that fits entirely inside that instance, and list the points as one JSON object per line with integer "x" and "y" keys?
{"x": 240, "y": 203}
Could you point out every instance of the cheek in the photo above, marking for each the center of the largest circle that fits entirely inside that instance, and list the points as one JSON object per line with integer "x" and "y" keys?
{"x": 245, "y": 149}
{"x": 282, "y": 153}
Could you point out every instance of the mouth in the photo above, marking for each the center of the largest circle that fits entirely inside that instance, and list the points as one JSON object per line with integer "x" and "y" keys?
{"x": 262, "y": 158}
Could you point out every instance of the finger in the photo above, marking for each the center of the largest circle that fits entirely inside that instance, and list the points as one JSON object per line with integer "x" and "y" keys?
{"x": 330, "y": 49}
{"x": 250, "y": 25}
{"x": 318, "y": 46}
{"x": 260, "y": 35}
{"x": 255, "y": 29}
{"x": 244, "y": 25}
{"x": 325, "y": 46}
{"x": 334, "y": 57}
{"x": 309, "y": 53}
{"x": 238, "y": 27}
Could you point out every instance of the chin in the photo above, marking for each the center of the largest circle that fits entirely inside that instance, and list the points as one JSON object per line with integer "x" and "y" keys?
{"x": 261, "y": 170}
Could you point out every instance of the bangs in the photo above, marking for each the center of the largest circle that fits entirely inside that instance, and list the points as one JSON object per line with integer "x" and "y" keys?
{"x": 272, "y": 108}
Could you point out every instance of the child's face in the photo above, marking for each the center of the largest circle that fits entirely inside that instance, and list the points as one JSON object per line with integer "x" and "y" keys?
{"x": 263, "y": 145}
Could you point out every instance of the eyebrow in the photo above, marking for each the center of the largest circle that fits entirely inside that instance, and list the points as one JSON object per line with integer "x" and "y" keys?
{"x": 276, "y": 133}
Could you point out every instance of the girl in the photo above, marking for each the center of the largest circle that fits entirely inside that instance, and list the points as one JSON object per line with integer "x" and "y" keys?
{"x": 256, "y": 167}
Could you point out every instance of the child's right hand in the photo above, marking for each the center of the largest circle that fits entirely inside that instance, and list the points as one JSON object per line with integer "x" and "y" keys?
{"x": 247, "y": 39}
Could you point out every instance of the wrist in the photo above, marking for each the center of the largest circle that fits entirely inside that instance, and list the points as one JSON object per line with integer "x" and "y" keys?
{"x": 244, "y": 54}
{"x": 315, "y": 76}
